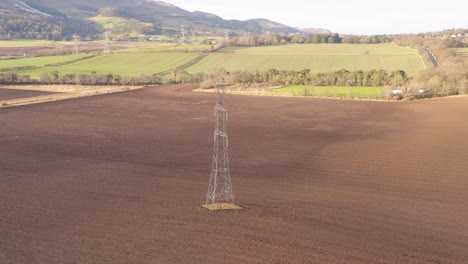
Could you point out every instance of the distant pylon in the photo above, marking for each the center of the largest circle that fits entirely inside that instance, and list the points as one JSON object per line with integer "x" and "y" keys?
{"x": 106, "y": 42}
{"x": 193, "y": 37}
{"x": 76, "y": 40}
{"x": 220, "y": 186}
{"x": 182, "y": 35}
{"x": 226, "y": 36}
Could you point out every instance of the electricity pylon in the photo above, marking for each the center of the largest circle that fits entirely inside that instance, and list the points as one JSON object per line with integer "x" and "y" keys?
{"x": 106, "y": 42}
{"x": 182, "y": 35}
{"x": 220, "y": 187}
{"x": 76, "y": 40}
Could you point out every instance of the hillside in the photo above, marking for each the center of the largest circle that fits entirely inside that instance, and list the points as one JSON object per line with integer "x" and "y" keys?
{"x": 157, "y": 16}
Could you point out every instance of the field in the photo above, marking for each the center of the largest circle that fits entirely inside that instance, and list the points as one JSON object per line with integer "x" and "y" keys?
{"x": 8, "y": 94}
{"x": 23, "y": 43}
{"x": 462, "y": 51}
{"x": 125, "y": 64}
{"x": 121, "y": 26}
{"x": 120, "y": 179}
{"x": 165, "y": 47}
{"x": 39, "y": 61}
{"x": 136, "y": 58}
{"x": 317, "y": 57}
{"x": 333, "y": 91}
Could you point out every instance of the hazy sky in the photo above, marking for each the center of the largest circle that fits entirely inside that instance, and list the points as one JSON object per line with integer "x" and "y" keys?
{"x": 344, "y": 16}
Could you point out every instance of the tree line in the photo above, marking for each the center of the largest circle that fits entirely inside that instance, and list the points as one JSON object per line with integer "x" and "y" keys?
{"x": 272, "y": 77}
{"x": 282, "y": 39}
{"x": 93, "y": 78}
{"x": 450, "y": 78}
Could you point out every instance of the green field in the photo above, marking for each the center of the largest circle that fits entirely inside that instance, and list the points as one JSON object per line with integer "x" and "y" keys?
{"x": 462, "y": 51}
{"x": 23, "y": 43}
{"x": 121, "y": 25}
{"x": 39, "y": 61}
{"x": 317, "y": 57}
{"x": 125, "y": 64}
{"x": 152, "y": 57}
{"x": 333, "y": 91}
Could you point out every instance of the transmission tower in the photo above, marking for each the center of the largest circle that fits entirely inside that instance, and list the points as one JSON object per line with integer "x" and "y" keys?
{"x": 106, "y": 42}
{"x": 182, "y": 35}
{"x": 220, "y": 187}
{"x": 226, "y": 36}
{"x": 76, "y": 40}
{"x": 193, "y": 37}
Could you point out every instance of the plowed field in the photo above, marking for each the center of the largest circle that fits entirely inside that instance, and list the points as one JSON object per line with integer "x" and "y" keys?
{"x": 8, "y": 94}
{"x": 119, "y": 179}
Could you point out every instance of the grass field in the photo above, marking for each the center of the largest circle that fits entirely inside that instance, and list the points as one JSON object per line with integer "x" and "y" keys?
{"x": 22, "y": 43}
{"x": 125, "y": 64}
{"x": 317, "y": 57}
{"x": 462, "y": 51}
{"x": 39, "y": 61}
{"x": 121, "y": 26}
{"x": 333, "y": 91}
{"x": 152, "y": 57}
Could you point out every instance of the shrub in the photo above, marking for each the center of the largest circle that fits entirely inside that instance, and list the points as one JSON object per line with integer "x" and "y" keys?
{"x": 207, "y": 84}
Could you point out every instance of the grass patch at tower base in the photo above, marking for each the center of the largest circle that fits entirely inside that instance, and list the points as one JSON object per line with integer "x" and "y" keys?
{"x": 221, "y": 206}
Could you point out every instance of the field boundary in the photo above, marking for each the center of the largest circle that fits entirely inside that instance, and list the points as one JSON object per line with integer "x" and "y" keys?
{"x": 70, "y": 62}
{"x": 185, "y": 66}
{"x": 24, "y": 68}
{"x": 62, "y": 93}
{"x": 266, "y": 92}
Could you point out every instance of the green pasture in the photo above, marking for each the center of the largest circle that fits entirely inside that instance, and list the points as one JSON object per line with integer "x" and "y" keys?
{"x": 125, "y": 64}
{"x": 462, "y": 51}
{"x": 333, "y": 91}
{"x": 39, "y": 61}
{"x": 122, "y": 26}
{"x": 23, "y": 43}
{"x": 324, "y": 49}
{"x": 317, "y": 57}
{"x": 153, "y": 57}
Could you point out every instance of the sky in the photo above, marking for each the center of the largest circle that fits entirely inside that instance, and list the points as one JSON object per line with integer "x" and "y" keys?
{"x": 365, "y": 17}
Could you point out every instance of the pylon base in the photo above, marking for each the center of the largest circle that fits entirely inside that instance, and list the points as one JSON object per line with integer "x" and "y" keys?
{"x": 221, "y": 206}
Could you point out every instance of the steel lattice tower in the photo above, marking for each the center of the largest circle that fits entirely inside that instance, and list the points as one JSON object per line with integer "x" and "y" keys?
{"x": 106, "y": 42}
{"x": 220, "y": 187}
{"x": 76, "y": 40}
{"x": 182, "y": 35}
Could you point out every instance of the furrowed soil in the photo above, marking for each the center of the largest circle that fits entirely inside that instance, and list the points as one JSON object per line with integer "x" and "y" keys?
{"x": 8, "y": 94}
{"x": 120, "y": 178}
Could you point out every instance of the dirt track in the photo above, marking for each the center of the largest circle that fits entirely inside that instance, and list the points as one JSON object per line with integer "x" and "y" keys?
{"x": 119, "y": 179}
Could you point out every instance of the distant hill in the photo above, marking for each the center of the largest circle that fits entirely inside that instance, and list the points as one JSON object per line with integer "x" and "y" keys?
{"x": 153, "y": 17}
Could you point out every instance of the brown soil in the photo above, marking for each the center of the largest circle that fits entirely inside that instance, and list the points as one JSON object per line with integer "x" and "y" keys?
{"x": 20, "y": 51}
{"x": 120, "y": 178}
{"x": 9, "y": 94}
{"x": 59, "y": 49}
{"x": 35, "y": 94}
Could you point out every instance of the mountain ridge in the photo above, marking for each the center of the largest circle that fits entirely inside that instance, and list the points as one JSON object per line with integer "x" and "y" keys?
{"x": 165, "y": 17}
